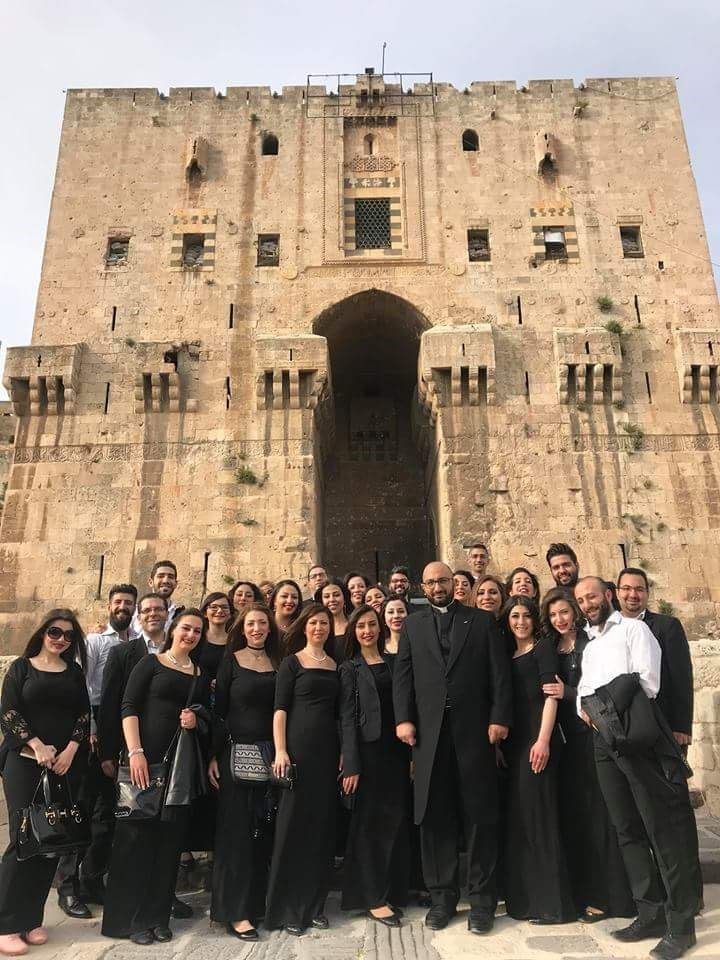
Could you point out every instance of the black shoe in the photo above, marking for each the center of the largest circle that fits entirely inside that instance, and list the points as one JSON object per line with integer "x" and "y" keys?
{"x": 438, "y": 917}
{"x": 480, "y": 921}
{"x": 398, "y": 911}
{"x": 392, "y": 921}
{"x": 143, "y": 938}
{"x": 544, "y": 921}
{"x": 180, "y": 910}
{"x": 320, "y": 922}
{"x": 294, "y": 929}
{"x": 162, "y": 934}
{"x": 424, "y": 899}
{"x": 73, "y": 907}
{"x": 250, "y": 934}
{"x": 92, "y": 889}
{"x": 641, "y": 930}
{"x": 588, "y": 917}
{"x": 673, "y": 945}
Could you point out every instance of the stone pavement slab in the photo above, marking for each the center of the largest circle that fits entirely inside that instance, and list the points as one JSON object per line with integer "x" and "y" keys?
{"x": 352, "y": 937}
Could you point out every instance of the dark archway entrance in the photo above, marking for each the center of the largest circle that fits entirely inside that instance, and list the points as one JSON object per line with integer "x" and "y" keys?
{"x": 375, "y": 514}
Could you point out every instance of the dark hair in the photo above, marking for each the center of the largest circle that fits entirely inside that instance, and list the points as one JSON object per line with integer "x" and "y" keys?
{"x": 377, "y": 586}
{"x": 535, "y": 581}
{"x": 560, "y": 550}
{"x": 399, "y": 568}
{"x": 551, "y": 597}
{"x": 266, "y": 582}
{"x": 465, "y": 573}
{"x": 478, "y": 546}
{"x": 238, "y": 641}
{"x": 295, "y": 637}
{"x": 211, "y": 598}
{"x": 153, "y": 596}
{"x": 186, "y": 612}
{"x": 351, "y": 645}
{"x": 123, "y": 588}
{"x": 530, "y": 606}
{"x": 498, "y": 583}
{"x": 354, "y": 573}
{"x": 633, "y": 572}
{"x": 163, "y": 563}
{"x": 76, "y": 650}
{"x": 610, "y": 585}
{"x": 316, "y": 566}
{"x": 278, "y": 587}
{"x": 257, "y": 596}
{"x": 336, "y": 582}
{"x": 384, "y": 628}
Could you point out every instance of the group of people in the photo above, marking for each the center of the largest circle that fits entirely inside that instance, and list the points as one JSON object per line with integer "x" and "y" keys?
{"x": 543, "y": 738}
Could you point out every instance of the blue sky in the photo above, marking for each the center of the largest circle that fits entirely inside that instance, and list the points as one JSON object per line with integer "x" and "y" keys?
{"x": 50, "y": 46}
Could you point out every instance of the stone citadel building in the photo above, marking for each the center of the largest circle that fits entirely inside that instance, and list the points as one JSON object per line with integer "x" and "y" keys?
{"x": 367, "y": 320}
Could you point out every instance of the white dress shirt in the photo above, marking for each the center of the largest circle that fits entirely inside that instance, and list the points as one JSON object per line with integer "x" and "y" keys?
{"x": 620, "y": 646}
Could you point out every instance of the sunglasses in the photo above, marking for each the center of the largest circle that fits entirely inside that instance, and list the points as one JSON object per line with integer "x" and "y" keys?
{"x": 57, "y": 633}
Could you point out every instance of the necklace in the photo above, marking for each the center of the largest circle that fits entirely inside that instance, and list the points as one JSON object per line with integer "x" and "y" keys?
{"x": 257, "y": 652}
{"x": 183, "y": 666}
{"x": 317, "y": 659}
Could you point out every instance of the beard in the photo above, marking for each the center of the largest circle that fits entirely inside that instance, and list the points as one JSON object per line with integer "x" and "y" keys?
{"x": 120, "y": 621}
{"x": 604, "y": 611}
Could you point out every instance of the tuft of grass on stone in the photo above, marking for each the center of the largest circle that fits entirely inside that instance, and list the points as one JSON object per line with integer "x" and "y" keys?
{"x": 636, "y": 435}
{"x": 666, "y": 608}
{"x": 245, "y": 475}
{"x": 605, "y": 304}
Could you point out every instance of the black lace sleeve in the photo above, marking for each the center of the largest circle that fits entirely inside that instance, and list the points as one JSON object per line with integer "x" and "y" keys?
{"x": 13, "y": 724}
{"x": 81, "y": 730}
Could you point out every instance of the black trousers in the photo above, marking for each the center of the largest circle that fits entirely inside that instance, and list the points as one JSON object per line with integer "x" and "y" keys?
{"x": 24, "y": 885}
{"x": 656, "y": 831}
{"x": 447, "y": 820}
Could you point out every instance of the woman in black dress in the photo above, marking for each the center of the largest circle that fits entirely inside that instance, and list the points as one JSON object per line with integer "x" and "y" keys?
{"x": 244, "y": 698}
{"x": 334, "y": 595}
{"x": 523, "y": 583}
{"x": 305, "y": 733}
{"x": 285, "y": 604}
{"x": 218, "y": 616}
{"x": 357, "y": 584}
{"x": 599, "y": 882}
{"x": 146, "y": 853}
{"x": 537, "y": 883}
{"x": 393, "y": 615}
{"x": 45, "y": 721}
{"x": 489, "y": 594}
{"x": 376, "y": 768}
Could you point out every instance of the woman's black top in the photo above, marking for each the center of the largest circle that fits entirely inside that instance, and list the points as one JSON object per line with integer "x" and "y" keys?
{"x": 156, "y": 694}
{"x": 210, "y": 658}
{"x": 244, "y": 701}
{"x": 569, "y": 670}
{"x": 37, "y": 703}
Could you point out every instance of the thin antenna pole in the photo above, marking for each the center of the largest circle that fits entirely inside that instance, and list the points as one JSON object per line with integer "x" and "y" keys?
{"x": 382, "y": 69}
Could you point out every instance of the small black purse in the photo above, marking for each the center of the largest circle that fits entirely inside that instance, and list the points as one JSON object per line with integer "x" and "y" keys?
{"x": 51, "y": 828}
{"x": 251, "y": 763}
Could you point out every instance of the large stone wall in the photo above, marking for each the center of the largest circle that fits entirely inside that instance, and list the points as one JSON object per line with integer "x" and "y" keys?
{"x": 153, "y": 393}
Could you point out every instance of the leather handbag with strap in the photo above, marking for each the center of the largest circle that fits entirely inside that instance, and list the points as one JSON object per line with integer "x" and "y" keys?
{"x": 51, "y": 827}
{"x": 251, "y": 763}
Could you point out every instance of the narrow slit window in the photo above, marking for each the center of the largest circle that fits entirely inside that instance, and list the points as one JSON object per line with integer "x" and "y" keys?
{"x": 117, "y": 251}
{"x": 470, "y": 141}
{"x": 519, "y": 311}
{"x": 554, "y": 239}
{"x": 647, "y": 386}
{"x": 101, "y": 573}
{"x": 228, "y": 393}
{"x": 478, "y": 242}
{"x": 107, "y": 398}
{"x": 369, "y": 145}
{"x": 372, "y": 224}
{"x": 631, "y": 243}
{"x": 231, "y": 316}
{"x": 637, "y": 308}
{"x": 268, "y": 250}
{"x": 193, "y": 250}
{"x": 527, "y": 387}
{"x": 623, "y": 554}
{"x": 206, "y": 568}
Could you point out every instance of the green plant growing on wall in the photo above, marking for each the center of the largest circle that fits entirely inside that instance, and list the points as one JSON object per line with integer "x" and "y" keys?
{"x": 605, "y": 304}
{"x": 226, "y": 578}
{"x": 661, "y": 527}
{"x": 666, "y": 608}
{"x": 613, "y": 326}
{"x": 245, "y": 475}
{"x": 129, "y": 342}
{"x": 249, "y": 522}
{"x": 636, "y": 435}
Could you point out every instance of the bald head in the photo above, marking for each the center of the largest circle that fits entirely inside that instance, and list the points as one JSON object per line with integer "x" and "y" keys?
{"x": 438, "y": 583}
{"x": 594, "y": 599}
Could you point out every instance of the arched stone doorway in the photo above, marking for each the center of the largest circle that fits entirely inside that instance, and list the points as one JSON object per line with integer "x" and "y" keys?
{"x": 374, "y": 505}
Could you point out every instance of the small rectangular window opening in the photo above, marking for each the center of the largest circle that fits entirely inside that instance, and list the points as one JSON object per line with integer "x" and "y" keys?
{"x": 268, "y": 250}
{"x": 206, "y": 567}
{"x": 478, "y": 243}
{"x": 587, "y": 346}
{"x": 527, "y": 387}
{"x": 100, "y": 576}
{"x": 661, "y": 264}
{"x": 193, "y": 250}
{"x": 117, "y": 250}
{"x": 372, "y": 224}
{"x": 113, "y": 319}
{"x": 554, "y": 238}
{"x": 647, "y": 386}
{"x": 231, "y": 316}
{"x": 519, "y": 311}
{"x": 107, "y": 398}
{"x": 631, "y": 243}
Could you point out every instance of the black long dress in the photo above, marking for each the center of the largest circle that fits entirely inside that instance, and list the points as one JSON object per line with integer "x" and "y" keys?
{"x": 244, "y": 702}
{"x": 377, "y": 860}
{"x": 536, "y": 881}
{"x": 591, "y": 848}
{"x": 146, "y": 854}
{"x": 302, "y": 859}
{"x": 55, "y": 708}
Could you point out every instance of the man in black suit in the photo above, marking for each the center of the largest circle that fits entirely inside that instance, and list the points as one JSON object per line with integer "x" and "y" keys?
{"x": 675, "y": 698}
{"x": 452, "y": 691}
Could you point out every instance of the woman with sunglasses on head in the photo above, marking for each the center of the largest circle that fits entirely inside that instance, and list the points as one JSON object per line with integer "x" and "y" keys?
{"x": 376, "y": 770}
{"x": 357, "y": 584}
{"x": 599, "y": 881}
{"x": 45, "y": 721}
{"x": 489, "y": 594}
{"x": 305, "y": 734}
{"x": 244, "y": 697}
{"x": 285, "y": 604}
{"x": 536, "y": 878}
{"x": 163, "y": 696}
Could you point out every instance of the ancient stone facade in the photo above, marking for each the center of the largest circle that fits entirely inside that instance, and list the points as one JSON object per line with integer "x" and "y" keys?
{"x": 366, "y": 327}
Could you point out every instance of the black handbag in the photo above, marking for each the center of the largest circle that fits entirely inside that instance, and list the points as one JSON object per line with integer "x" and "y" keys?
{"x": 251, "y": 763}
{"x": 51, "y": 828}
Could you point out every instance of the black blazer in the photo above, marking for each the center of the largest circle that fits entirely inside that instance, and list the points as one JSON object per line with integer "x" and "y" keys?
{"x": 360, "y": 713}
{"x": 675, "y": 698}
{"x": 118, "y": 667}
{"x": 476, "y": 684}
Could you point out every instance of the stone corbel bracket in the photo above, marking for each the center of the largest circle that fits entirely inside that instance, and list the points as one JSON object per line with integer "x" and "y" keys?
{"x": 545, "y": 151}
{"x": 589, "y": 366}
{"x": 291, "y": 372}
{"x": 196, "y": 157}
{"x": 159, "y": 386}
{"x": 697, "y": 355}
{"x": 42, "y": 379}
{"x": 456, "y": 367}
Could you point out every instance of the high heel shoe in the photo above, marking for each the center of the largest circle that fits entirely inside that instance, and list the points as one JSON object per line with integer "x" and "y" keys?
{"x": 250, "y": 934}
{"x": 392, "y": 921}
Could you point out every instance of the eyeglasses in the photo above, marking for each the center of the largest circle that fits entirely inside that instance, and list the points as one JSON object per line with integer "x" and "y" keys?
{"x": 221, "y": 608}
{"x": 629, "y": 589}
{"x": 146, "y": 611}
{"x": 440, "y": 582}
{"x": 57, "y": 633}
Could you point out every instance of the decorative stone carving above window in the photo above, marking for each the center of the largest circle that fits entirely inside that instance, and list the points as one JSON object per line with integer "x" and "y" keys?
{"x": 456, "y": 367}
{"x": 163, "y": 375}
{"x": 697, "y": 356}
{"x": 291, "y": 373}
{"x": 589, "y": 366}
{"x": 372, "y": 164}
{"x": 42, "y": 380}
